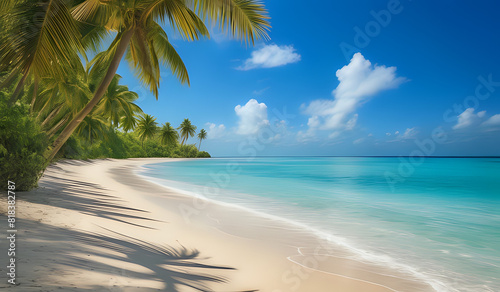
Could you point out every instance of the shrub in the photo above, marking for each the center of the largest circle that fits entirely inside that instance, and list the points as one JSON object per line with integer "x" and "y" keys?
{"x": 22, "y": 144}
{"x": 203, "y": 154}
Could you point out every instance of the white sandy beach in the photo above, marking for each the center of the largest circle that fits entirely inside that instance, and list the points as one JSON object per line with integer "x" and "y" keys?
{"x": 96, "y": 226}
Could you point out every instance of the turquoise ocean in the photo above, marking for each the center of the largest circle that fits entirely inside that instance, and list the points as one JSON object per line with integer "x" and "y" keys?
{"x": 439, "y": 218}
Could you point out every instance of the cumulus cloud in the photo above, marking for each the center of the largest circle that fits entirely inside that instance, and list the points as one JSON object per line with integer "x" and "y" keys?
{"x": 252, "y": 117}
{"x": 215, "y": 131}
{"x": 493, "y": 121}
{"x": 468, "y": 118}
{"x": 358, "y": 81}
{"x": 271, "y": 56}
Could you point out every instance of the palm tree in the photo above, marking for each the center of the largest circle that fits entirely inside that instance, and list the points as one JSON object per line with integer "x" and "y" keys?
{"x": 202, "y": 136}
{"x": 128, "y": 123}
{"x": 187, "y": 130}
{"x": 146, "y": 128}
{"x": 169, "y": 135}
{"x": 93, "y": 127}
{"x": 145, "y": 45}
{"x": 117, "y": 103}
{"x": 39, "y": 39}
{"x": 59, "y": 100}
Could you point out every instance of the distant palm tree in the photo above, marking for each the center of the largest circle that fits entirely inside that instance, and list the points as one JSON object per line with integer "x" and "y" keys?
{"x": 118, "y": 104}
{"x": 169, "y": 135}
{"x": 146, "y": 128}
{"x": 202, "y": 136}
{"x": 187, "y": 130}
{"x": 93, "y": 127}
{"x": 128, "y": 123}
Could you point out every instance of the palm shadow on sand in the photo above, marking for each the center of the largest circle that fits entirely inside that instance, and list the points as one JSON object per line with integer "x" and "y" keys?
{"x": 64, "y": 251}
{"x": 73, "y": 251}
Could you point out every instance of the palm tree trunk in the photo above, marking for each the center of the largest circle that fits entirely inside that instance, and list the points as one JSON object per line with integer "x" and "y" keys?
{"x": 68, "y": 130}
{"x": 199, "y": 145}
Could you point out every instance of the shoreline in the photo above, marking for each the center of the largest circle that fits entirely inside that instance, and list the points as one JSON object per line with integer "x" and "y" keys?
{"x": 98, "y": 225}
{"x": 323, "y": 238}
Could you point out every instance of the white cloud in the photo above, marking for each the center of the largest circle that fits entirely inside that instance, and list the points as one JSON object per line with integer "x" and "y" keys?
{"x": 261, "y": 91}
{"x": 358, "y": 141}
{"x": 271, "y": 56}
{"x": 410, "y": 133}
{"x": 493, "y": 121}
{"x": 334, "y": 134}
{"x": 214, "y": 131}
{"x": 351, "y": 123}
{"x": 358, "y": 81}
{"x": 313, "y": 122}
{"x": 253, "y": 116}
{"x": 306, "y": 136}
{"x": 468, "y": 118}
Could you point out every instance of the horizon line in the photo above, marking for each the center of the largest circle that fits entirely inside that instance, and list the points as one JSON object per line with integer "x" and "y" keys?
{"x": 361, "y": 156}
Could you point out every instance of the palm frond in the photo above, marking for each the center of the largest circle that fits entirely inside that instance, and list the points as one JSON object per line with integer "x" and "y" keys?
{"x": 142, "y": 56}
{"x": 180, "y": 17}
{"x": 92, "y": 36}
{"x": 244, "y": 19}
{"x": 167, "y": 53}
{"x": 41, "y": 40}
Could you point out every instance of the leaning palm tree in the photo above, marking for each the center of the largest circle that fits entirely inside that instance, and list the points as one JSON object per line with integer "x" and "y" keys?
{"x": 144, "y": 43}
{"x": 187, "y": 130}
{"x": 146, "y": 128}
{"x": 202, "y": 136}
{"x": 168, "y": 134}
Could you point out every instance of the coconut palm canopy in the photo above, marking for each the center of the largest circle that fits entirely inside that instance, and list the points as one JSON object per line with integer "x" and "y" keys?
{"x": 168, "y": 134}
{"x": 202, "y": 135}
{"x": 186, "y": 130}
{"x": 146, "y": 127}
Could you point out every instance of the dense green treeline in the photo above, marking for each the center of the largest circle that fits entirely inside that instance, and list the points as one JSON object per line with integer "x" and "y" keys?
{"x": 25, "y": 134}
{"x": 127, "y": 145}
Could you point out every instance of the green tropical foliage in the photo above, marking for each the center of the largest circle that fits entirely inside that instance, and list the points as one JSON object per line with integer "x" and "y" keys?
{"x": 169, "y": 135}
{"x": 202, "y": 135}
{"x": 39, "y": 39}
{"x": 186, "y": 130}
{"x": 146, "y": 127}
{"x": 117, "y": 104}
{"x": 21, "y": 146}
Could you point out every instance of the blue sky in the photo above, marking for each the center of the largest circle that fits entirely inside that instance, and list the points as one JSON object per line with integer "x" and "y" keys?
{"x": 344, "y": 78}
